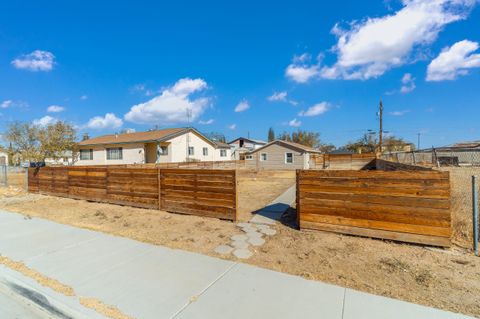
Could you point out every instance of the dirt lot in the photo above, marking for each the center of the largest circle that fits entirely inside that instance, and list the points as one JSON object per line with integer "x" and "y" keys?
{"x": 447, "y": 279}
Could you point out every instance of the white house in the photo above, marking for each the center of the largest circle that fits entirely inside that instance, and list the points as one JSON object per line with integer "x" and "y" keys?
{"x": 241, "y": 146}
{"x": 156, "y": 146}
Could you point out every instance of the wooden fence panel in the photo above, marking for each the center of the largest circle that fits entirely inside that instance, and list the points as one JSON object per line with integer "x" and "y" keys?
{"x": 202, "y": 192}
{"x": 133, "y": 187}
{"x": 399, "y": 205}
{"x": 199, "y": 192}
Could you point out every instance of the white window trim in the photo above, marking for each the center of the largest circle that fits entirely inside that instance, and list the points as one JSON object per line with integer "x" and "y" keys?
{"x": 205, "y": 151}
{"x": 293, "y": 158}
{"x": 249, "y": 157}
{"x": 193, "y": 151}
{"x": 90, "y": 154}
{"x": 224, "y": 152}
{"x": 261, "y": 157}
{"x": 120, "y": 149}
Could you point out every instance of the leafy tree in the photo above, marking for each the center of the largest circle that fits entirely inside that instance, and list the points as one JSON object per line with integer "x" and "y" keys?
{"x": 36, "y": 143}
{"x": 56, "y": 139}
{"x": 24, "y": 139}
{"x": 271, "y": 135}
{"x": 311, "y": 139}
{"x": 366, "y": 144}
{"x": 327, "y": 148}
{"x": 393, "y": 143}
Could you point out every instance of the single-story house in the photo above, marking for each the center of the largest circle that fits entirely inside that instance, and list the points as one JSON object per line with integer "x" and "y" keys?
{"x": 155, "y": 146}
{"x": 240, "y": 146}
{"x": 280, "y": 154}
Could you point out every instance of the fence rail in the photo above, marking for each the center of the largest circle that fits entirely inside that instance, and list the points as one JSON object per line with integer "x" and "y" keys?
{"x": 397, "y": 205}
{"x": 202, "y": 192}
{"x": 342, "y": 161}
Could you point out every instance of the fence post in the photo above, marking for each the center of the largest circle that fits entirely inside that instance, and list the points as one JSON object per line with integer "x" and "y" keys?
{"x": 414, "y": 159}
{"x": 475, "y": 214}
{"x": 435, "y": 156}
{"x": 159, "y": 188}
{"x": 25, "y": 180}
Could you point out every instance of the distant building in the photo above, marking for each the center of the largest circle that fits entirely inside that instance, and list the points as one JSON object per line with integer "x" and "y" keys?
{"x": 280, "y": 154}
{"x": 156, "y": 146}
{"x": 240, "y": 146}
{"x": 3, "y": 159}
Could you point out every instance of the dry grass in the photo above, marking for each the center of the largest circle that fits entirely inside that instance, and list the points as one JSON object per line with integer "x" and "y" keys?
{"x": 256, "y": 190}
{"x": 461, "y": 204}
{"x": 442, "y": 278}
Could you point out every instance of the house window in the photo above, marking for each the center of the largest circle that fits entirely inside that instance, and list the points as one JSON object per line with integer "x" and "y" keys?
{"x": 191, "y": 150}
{"x": 288, "y": 158}
{"x": 223, "y": 153}
{"x": 205, "y": 151}
{"x": 114, "y": 153}
{"x": 86, "y": 155}
{"x": 263, "y": 157}
{"x": 249, "y": 157}
{"x": 163, "y": 150}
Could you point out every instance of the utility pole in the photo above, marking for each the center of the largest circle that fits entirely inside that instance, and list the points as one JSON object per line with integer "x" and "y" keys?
{"x": 380, "y": 132}
{"x": 418, "y": 141}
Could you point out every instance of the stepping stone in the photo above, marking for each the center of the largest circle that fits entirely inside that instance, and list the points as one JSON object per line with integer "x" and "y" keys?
{"x": 249, "y": 229}
{"x": 223, "y": 249}
{"x": 242, "y": 225}
{"x": 242, "y": 253}
{"x": 269, "y": 232}
{"x": 261, "y": 226}
{"x": 254, "y": 234}
{"x": 239, "y": 244}
{"x": 256, "y": 241}
{"x": 239, "y": 237}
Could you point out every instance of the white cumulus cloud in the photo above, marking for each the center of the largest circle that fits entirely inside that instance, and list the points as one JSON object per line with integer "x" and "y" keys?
{"x": 278, "y": 96}
{"x": 300, "y": 71}
{"x": 6, "y": 104}
{"x": 55, "y": 109}
{"x": 408, "y": 83}
{"x": 294, "y": 123}
{"x": 399, "y": 113}
{"x": 242, "y": 106}
{"x": 45, "y": 121}
{"x": 109, "y": 121}
{"x": 175, "y": 104}
{"x": 232, "y": 126}
{"x": 36, "y": 61}
{"x": 84, "y": 97}
{"x": 368, "y": 48}
{"x": 206, "y": 122}
{"x": 454, "y": 61}
{"x": 316, "y": 109}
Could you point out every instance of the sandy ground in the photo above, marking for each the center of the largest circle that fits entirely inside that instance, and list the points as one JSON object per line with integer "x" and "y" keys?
{"x": 448, "y": 279}
{"x": 256, "y": 190}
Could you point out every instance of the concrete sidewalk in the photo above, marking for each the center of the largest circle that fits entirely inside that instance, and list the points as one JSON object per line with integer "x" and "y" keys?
{"x": 147, "y": 281}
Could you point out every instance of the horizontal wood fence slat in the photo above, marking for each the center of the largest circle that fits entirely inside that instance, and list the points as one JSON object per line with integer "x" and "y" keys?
{"x": 410, "y": 206}
{"x": 202, "y": 192}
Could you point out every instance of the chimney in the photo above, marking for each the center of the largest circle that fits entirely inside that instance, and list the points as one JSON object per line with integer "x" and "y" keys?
{"x": 85, "y": 137}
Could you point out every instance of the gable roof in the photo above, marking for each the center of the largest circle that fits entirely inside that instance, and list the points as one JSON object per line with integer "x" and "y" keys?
{"x": 144, "y": 137}
{"x": 291, "y": 145}
{"x": 219, "y": 144}
{"x": 248, "y": 139}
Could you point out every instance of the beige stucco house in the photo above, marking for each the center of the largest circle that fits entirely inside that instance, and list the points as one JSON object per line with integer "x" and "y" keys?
{"x": 156, "y": 146}
{"x": 280, "y": 154}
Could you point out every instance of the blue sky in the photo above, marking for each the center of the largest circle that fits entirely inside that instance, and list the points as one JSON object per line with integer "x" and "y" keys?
{"x": 240, "y": 68}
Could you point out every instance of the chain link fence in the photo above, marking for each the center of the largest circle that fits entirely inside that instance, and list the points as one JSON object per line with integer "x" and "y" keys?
{"x": 13, "y": 177}
{"x": 462, "y": 163}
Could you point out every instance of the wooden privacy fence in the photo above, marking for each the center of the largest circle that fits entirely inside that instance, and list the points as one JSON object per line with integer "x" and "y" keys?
{"x": 342, "y": 161}
{"x": 398, "y": 205}
{"x": 202, "y": 192}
